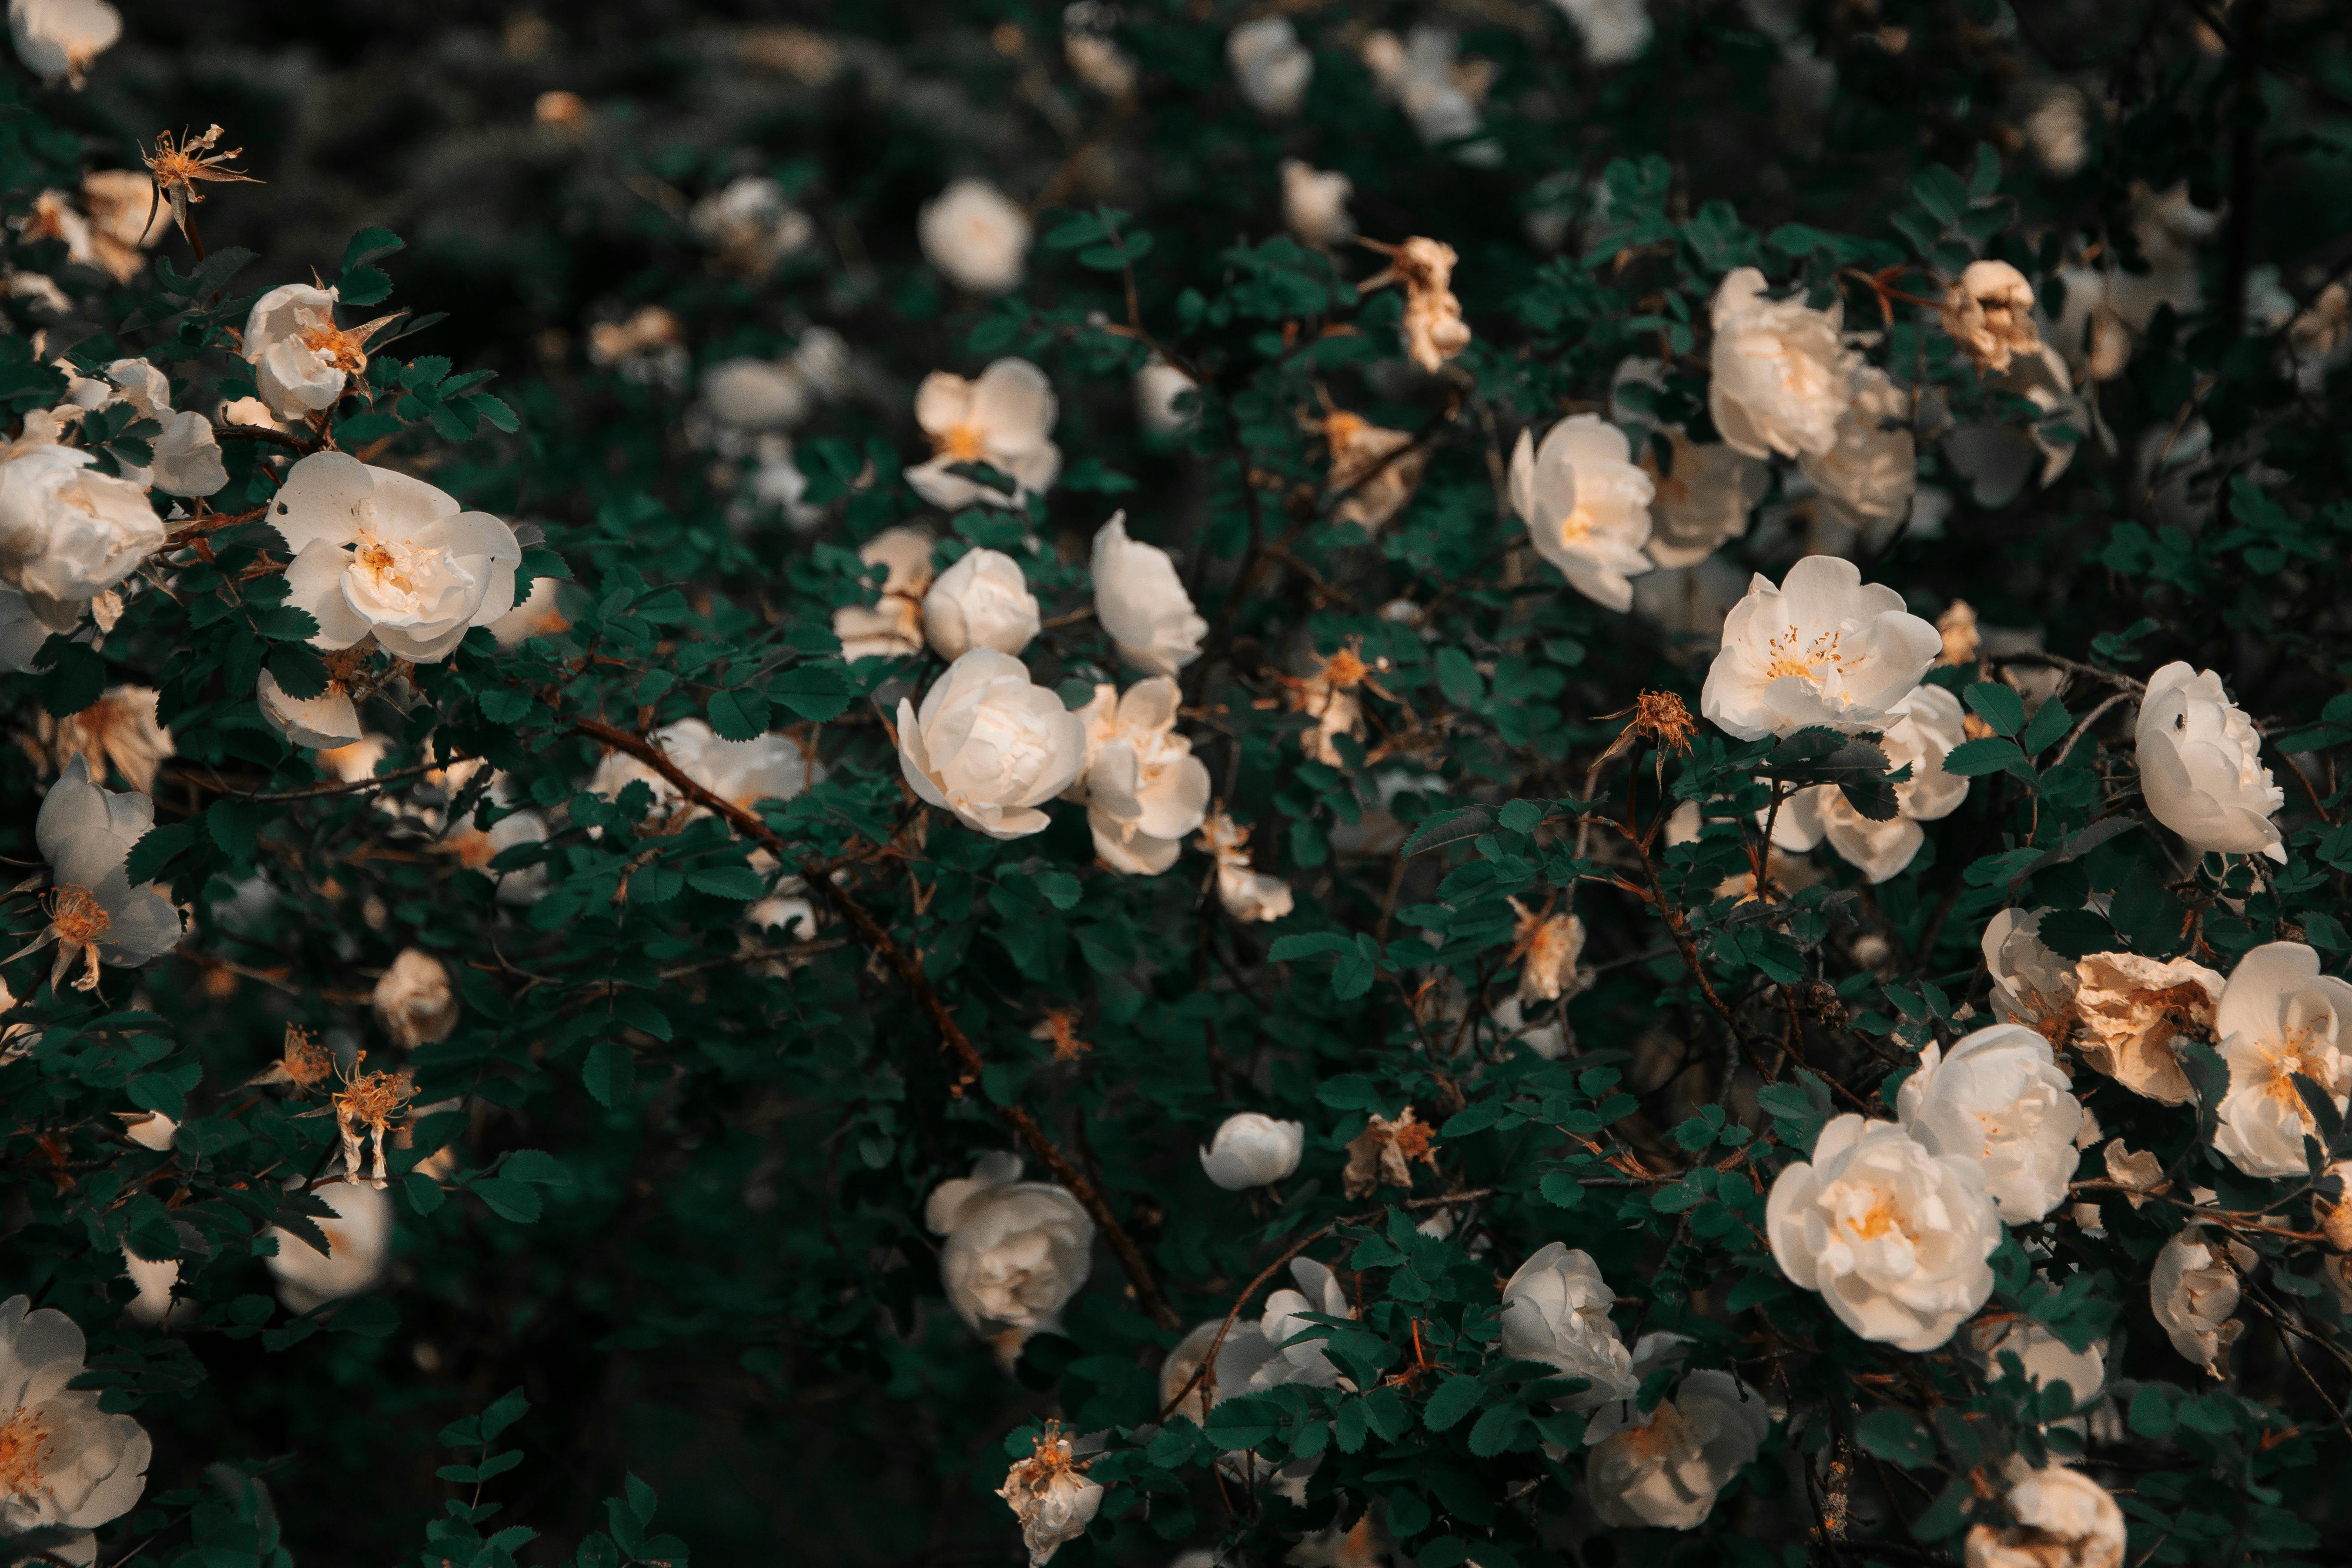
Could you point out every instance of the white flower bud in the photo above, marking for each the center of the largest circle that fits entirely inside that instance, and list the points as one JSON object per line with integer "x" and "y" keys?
{"x": 414, "y": 1000}
{"x": 1141, "y": 601}
{"x": 2200, "y": 766}
{"x": 1251, "y": 1150}
{"x": 1556, "y": 1310}
{"x": 981, "y": 601}
{"x": 978, "y": 239}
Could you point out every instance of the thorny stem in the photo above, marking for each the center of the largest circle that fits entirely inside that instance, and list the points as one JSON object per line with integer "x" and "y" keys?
{"x": 817, "y": 875}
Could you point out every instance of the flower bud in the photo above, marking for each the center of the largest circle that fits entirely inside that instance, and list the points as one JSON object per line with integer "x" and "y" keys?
{"x": 1251, "y": 1150}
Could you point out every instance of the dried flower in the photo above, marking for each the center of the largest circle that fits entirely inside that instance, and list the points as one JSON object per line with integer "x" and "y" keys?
{"x": 179, "y": 167}
{"x": 1374, "y": 471}
{"x": 1247, "y": 894}
{"x": 1962, "y": 641}
{"x": 414, "y": 1000}
{"x": 2132, "y": 1008}
{"x": 1547, "y": 946}
{"x": 1433, "y": 330}
{"x": 1383, "y": 1152}
{"x": 1990, "y": 314}
{"x": 370, "y": 1103}
{"x": 1046, "y": 1493}
{"x": 2140, "y": 1174}
{"x": 303, "y": 1060}
{"x": 1060, "y": 1026}
{"x": 118, "y": 729}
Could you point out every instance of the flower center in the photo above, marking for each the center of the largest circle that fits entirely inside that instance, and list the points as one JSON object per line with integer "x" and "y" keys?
{"x": 2302, "y": 1051}
{"x": 1879, "y": 1219}
{"x": 1577, "y": 525}
{"x": 76, "y": 913}
{"x": 25, "y": 1451}
{"x": 964, "y": 443}
{"x": 395, "y": 564}
{"x": 336, "y": 347}
{"x": 1806, "y": 661}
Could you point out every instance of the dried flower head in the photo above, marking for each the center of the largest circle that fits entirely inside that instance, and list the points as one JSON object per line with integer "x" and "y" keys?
{"x": 1962, "y": 641}
{"x": 1661, "y": 717}
{"x": 1383, "y": 1152}
{"x": 1374, "y": 471}
{"x": 2140, "y": 1173}
{"x": 1050, "y": 1496}
{"x": 118, "y": 729}
{"x": 1547, "y": 946}
{"x": 305, "y": 1062}
{"x": 79, "y": 924}
{"x": 1432, "y": 328}
{"x": 1990, "y": 314}
{"x": 2133, "y": 1008}
{"x": 179, "y": 167}
{"x": 1060, "y": 1026}
{"x": 370, "y": 1103}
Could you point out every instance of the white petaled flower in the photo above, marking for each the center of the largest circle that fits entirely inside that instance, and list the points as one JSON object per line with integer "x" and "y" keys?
{"x": 1017, "y": 1251}
{"x": 1296, "y": 1359}
{"x": 756, "y": 394}
{"x": 328, "y": 719}
{"x": 740, "y": 773}
{"x": 1315, "y": 203}
{"x": 1998, "y": 458}
{"x": 2131, "y": 1009}
{"x": 359, "y": 1249}
{"x": 1003, "y": 418}
{"x": 1824, "y": 648}
{"x": 1586, "y": 505}
{"x": 1556, "y": 1310}
{"x": 1998, "y": 1097}
{"x": 379, "y": 554}
{"x": 2279, "y": 1019}
{"x": 2046, "y": 1358}
{"x": 118, "y": 731}
{"x": 301, "y": 360}
{"x": 1705, "y": 500}
{"x": 1245, "y": 1350}
{"x": 2031, "y": 985}
{"x": 990, "y": 745}
{"x": 1895, "y": 1237}
{"x": 125, "y": 219}
{"x": 539, "y": 614}
{"x": 1988, "y": 313}
{"x": 1247, "y": 894}
{"x": 1270, "y": 66}
{"x": 1250, "y": 1149}
{"x": 976, "y": 237}
{"x": 1054, "y": 1502}
{"x": 2193, "y": 1291}
{"x": 413, "y": 999}
{"x": 67, "y": 1464}
{"x": 1158, "y": 387}
{"x": 2064, "y": 1519}
{"x": 68, "y": 533}
{"x": 86, "y": 832}
{"x": 1870, "y": 471}
{"x": 981, "y": 601}
{"x": 1142, "y": 603}
{"x": 187, "y": 456}
{"x": 59, "y": 38}
{"x": 1666, "y": 1467}
{"x": 1614, "y": 31}
{"x": 1922, "y": 732}
{"x": 1782, "y": 374}
{"x": 892, "y": 627}
{"x": 154, "y": 1279}
{"x": 2200, "y": 766}
{"x": 1143, "y": 788}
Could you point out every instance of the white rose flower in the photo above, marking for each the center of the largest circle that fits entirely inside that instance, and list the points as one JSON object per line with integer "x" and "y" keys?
{"x": 892, "y": 628}
{"x": 1614, "y": 31}
{"x": 1824, "y": 648}
{"x": 1586, "y": 505}
{"x": 1158, "y": 385}
{"x": 1017, "y": 1251}
{"x": 1782, "y": 374}
{"x": 327, "y": 721}
{"x": 1666, "y": 1468}
{"x": 1895, "y": 1238}
{"x": 2279, "y": 1019}
{"x": 1003, "y": 418}
{"x": 414, "y": 1000}
{"x": 1053, "y": 1501}
{"x": 2192, "y": 1291}
{"x": 2031, "y": 985}
{"x": 1997, "y": 458}
{"x": 118, "y": 731}
{"x": 2064, "y": 1519}
{"x": 154, "y": 1280}
{"x": 60, "y": 38}
{"x": 1989, "y": 314}
{"x": 981, "y": 601}
{"x": 1143, "y": 788}
{"x": 1304, "y": 1361}
{"x": 976, "y": 237}
{"x": 1250, "y": 1149}
{"x": 1315, "y": 203}
{"x": 149, "y": 1130}
{"x": 755, "y": 394}
{"x": 187, "y": 453}
{"x": 989, "y": 745}
{"x": 1924, "y": 728}
{"x": 538, "y": 614}
{"x": 359, "y": 1249}
{"x": 1999, "y": 1098}
{"x": 1244, "y": 1352}
{"x": 68, "y": 533}
{"x": 1706, "y": 500}
{"x": 1556, "y": 1310}
{"x": 740, "y": 773}
{"x": 2201, "y": 765}
{"x": 1247, "y": 895}
{"x": 301, "y": 360}
{"x": 85, "y": 832}
{"x": 1140, "y": 601}
{"x": 72, "y": 1466}
{"x": 1270, "y": 66}
{"x": 1869, "y": 472}
{"x": 379, "y": 554}
{"x": 2047, "y": 1359}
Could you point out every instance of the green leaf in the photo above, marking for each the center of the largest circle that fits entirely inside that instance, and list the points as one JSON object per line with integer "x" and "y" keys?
{"x": 363, "y": 286}
{"x": 516, "y": 1201}
{"x": 369, "y": 244}
{"x": 2047, "y": 728}
{"x": 815, "y": 690}
{"x": 1496, "y": 1428}
{"x": 234, "y": 825}
{"x": 735, "y": 717}
{"x": 738, "y": 883}
{"x": 156, "y": 849}
{"x": 1059, "y": 889}
{"x": 1971, "y": 759}
{"x": 1998, "y": 705}
{"x": 1897, "y": 1437}
{"x": 609, "y": 1073}
{"x": 1455, "y": 1399}
{"x": 1448, "y": 827}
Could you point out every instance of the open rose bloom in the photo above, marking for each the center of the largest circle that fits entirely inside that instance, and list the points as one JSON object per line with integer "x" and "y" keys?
{"x": 1143, "y": 787}
{"x": 1141, "y": 601}
{"x": 1015, "y": 1252}
{"x": 2001, "y": 1098}
{"x": 989, "y": 745}
{"x": 1782, "y": 374}
{"x": 1002, "y": 419}
{"x": 65, "y": 1462}
{"x": 1586, "y": 505}
{"x": 1665, "y": 1466}
{"x": 86, "y": 833}
{"x": 1823, "y": 647}
{"x": 2280, "y": 1019}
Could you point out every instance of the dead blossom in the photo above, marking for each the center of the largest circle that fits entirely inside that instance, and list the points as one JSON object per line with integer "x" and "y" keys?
{"x": 1382, "y": 1154}
{"x": 1432, "y": 328}
{"x": 370, "y": 1103}
{"x": 179, "y": 167}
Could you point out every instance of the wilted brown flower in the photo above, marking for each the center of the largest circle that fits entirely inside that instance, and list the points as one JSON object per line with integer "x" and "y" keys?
{"x": 304, "y": 1060}
{"x": 1990, "y": 314}
{"x": 2140, "y": 1173}
{"x": 1061, "y": 1027}
{"x": 2132, "y": 1008}
{"x": 179, "y": 167}
{"x": 1374, "y": 471}
{"x": 1432, "y": 328}
{"x": 370, "y": 1103}
{"x": 1961, "y": 640}
{"x": 1547, "y": 946}
{"x": 1383, "y": 1152}
{"x": 79, "y": 924}
{"x": 118, "y": 729}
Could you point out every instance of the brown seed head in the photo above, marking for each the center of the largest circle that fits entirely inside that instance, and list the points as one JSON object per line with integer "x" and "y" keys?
{"x": 374, "y": 1098}
{"x": 179, "y": 167}
{"x": 1662, "y": 716}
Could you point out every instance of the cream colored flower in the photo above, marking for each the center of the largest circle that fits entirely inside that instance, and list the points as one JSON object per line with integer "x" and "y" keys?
{"x": 86, "y": 833}
{"x": 1248, "y": 895}
{"x": 1433, "y": 330}
{"x": 1250, "y": 1149}
{"x": 326, "y": 721}
{"x": 1294, "y": 1358}
{"x": 359, "y": 1249}
{"x": 2200, "y": 766}
{"x": 2000, "y": 1099}
{"x": 989, "y": 745}
{"x": 740, "y": 773}
{"x": 976, "y": 237}
{"x": 1017, "y": 1251}
{"x": 1895, "y": 1237}
{"x": 2031, "y": 985}
{"x": 1706, "y": 499}
{"x": 647, "y": 346}
{"x": 1822, "y": 649}
{"x": 1869, "y": 472}
{"x": 1158, "y": 386}
{"x": 2140, "y": 1174}
{"x": 1005, "y": 419}
{"x": 892, "y": 628}
{"x": 1548, "y": 947}
{"x": 1374, "y": 471}
{"x": 2194, "y": 1290}
{"x": 750, "y": 225}
{"x": 1315, "y": 203}
{"x": 1666, "y": 1467}
{"x": 538, "y": 614}
{"x": 414, "y": 1000}
{"x": 1782, "y": 374}
{"x": 1054, "y": 1502}
{"x": 59, "y": 38}
{"x": 125, "y": 218}
{"x": 2064, "y": 1519}
{"x": 1336, "y": 709}
{"x": 118, "y": 729}
{"x": 1142, "y": 603}
{"x": 756, "y": 394}
{"x": 2047, "y": 1360}
{"x": 981, "y": 601}
{"x": 2132, "y": 1009}
{"x": 69, "y": 1465}
{"x": 68, "y": 533}
{"x": 1556, "y": 1310}
{"x": 302, "y": 361}
{"x": 1094, "y": 57}
{"x": 1923, "y": 729}
{"x": 1989, "y": 314}
{"x": 1270, "y": 66}
{"x": 1586, "y": 505}
{"x": 2279, "y": 1019}
{"x": 377, "y": 553}
{"x": 1614, "y": 31}
{"x": 1143, "y": 788}
{"x": 1244, "y": 1352}
{"x": 187, "y": 456}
